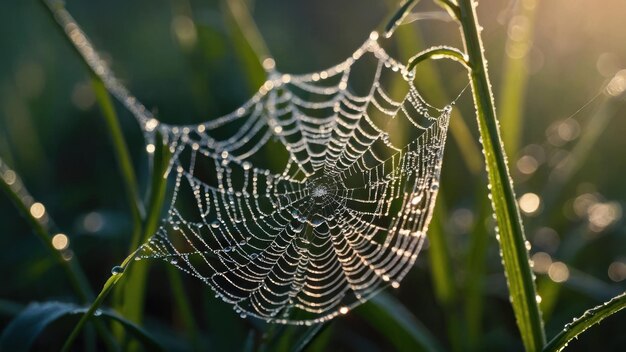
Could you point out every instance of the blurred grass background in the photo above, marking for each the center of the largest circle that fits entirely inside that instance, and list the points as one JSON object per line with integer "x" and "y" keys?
{"x": 188, "y": 61}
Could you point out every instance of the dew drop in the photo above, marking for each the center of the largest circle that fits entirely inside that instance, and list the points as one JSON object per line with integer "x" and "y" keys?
{"x": 296, "y": 213}
{"x": 215, "y": 224}
{"x": 317, "y": 221}
{"x": 116, "y": 270}
{"x": 297, "y": 227}
{"x": 97, "y": 313}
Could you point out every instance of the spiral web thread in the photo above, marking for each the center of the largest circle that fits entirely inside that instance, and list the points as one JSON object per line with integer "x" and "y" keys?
{"x": 303, "y": 202}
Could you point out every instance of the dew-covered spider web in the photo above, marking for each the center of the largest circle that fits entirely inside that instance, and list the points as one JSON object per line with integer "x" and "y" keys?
{"x": 309, "y": 198}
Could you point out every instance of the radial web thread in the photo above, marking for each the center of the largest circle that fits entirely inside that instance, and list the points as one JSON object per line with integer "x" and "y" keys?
{"x": 309, "y": 198}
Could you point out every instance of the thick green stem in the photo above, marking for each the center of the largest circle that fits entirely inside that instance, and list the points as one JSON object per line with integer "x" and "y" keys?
{"x": 511, "y": 233}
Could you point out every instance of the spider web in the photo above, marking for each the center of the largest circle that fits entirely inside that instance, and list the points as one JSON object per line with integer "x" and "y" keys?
{"x": 310, "y": 197}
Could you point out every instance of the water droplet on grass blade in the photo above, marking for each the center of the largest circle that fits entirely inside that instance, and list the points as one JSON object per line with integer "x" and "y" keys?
{"x": 116, "y": 270}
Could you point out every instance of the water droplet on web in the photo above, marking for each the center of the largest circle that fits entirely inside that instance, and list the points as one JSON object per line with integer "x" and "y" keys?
{"x": 97, "y": 313}
{"x": 297, "y": 227}
{"x": 306, "y": 200}
{"x": 295, "y": 213}
{"x": 317, "y": 221}
{"x": 116, "y": 270}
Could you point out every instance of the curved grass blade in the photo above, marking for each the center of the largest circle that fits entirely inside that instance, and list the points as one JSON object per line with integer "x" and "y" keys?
{"x": 11, "y": 183}
{"x": 398, "y": 17}
{"x": 22, "y": 332}
{"x": 116, "y": 274}
{"x": 591, "y": 317}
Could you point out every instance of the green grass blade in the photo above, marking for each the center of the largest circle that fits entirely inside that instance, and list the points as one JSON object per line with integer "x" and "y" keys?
{"x": 515, "y": 75}
{"x": 12, "y": 185}
{"x": 520, "y": 278}
{"x": 307, "y": 338}
{"x": 588, "y": 319}
{"x": 249, "y": 30}
{"x": 476, "y": 266}
{"x": 397, "y": 18}
{"x": 116, "y": 274}
{"x": 22, "y": 331}
{"x": 408, "y": 42}
{"x": 247, "y": 41}
{"x": 439, "y": 257}
{"x": 122, "y": 154}
{"x": 184, "y": 309}
{"x": 443, "y": 276}
{"x": 134, "y": 289}
{"x": 397, "y": 324}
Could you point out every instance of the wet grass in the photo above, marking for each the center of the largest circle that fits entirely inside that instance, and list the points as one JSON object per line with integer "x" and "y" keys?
{"x": 458, "y": 298}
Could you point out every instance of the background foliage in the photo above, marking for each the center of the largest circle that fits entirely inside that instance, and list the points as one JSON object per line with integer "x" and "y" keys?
{"x": 188, "y": 60}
